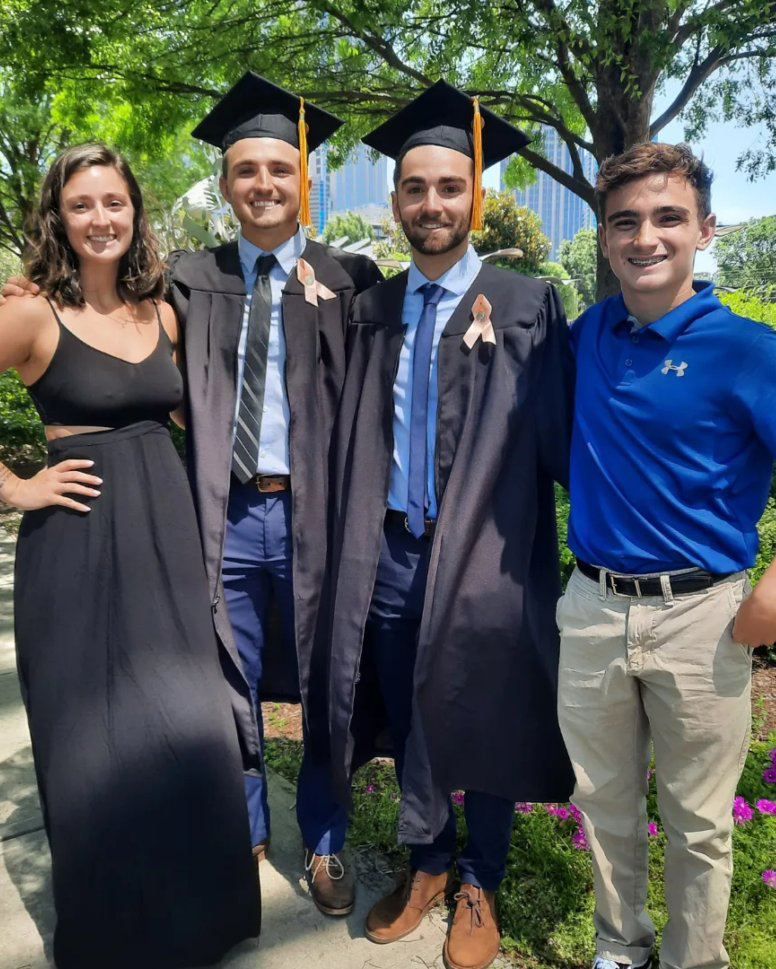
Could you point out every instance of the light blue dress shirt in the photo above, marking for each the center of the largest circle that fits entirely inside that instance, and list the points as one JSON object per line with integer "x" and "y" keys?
{"x": 455, "y": 282}
{"x": 274, "y": 456}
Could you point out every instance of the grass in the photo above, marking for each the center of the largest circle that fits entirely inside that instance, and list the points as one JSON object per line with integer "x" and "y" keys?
{"x": 546, "y": 899}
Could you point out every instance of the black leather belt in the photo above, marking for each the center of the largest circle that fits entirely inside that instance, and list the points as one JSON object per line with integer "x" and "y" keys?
{"x": 399, "y": 518}
{"x": 680, "y": 583}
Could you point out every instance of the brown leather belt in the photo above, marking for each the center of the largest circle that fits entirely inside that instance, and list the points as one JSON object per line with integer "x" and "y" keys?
{"x": 269, "y": 484}
{"x": 399, "y": 518}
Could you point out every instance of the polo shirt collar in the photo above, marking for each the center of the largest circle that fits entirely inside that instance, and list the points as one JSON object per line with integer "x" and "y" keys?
{"x": 287, "y": 253}
{"x": 456, "y": 280}
{"x": 672, "y": 324}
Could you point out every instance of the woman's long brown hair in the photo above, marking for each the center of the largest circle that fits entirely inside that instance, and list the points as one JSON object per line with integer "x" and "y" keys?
{"x": 48, "y": 257}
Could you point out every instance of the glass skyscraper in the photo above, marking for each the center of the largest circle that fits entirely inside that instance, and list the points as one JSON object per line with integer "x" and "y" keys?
{"x": 562, "y": 212}
{"x": 360, "y": 183}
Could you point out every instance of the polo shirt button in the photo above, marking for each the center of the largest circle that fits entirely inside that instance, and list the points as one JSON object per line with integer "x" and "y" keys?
{"x": 629, "y": 362}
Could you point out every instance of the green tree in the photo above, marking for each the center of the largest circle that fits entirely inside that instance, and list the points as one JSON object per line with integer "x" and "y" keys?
{"x": 394, "y": 246}
{"x": 507, "y": 225}
{"x": 351, "y": 225}
{"x": 589, "y": 69}
{"x": 746, "y": 258}
{"x": 579, "y": 257}
{"x": 557, "y": 274}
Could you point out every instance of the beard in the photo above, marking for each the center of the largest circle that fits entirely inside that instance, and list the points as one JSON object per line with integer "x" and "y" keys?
{"x": 438, "y": 242}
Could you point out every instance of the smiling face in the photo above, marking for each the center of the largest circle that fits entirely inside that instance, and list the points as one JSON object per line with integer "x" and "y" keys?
{"x": 433, "y": 199}
{"x": 650, "y": 234}
{"x": 262, "y": 186}
{"x": 97, "y": 214}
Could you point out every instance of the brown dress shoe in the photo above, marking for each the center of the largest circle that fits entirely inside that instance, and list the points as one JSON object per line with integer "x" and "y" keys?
{"x": 399, "y": 913}
{"x": 332, "y": 886}
{"x": 473, "y": 938}
{"x": 260, "y": 852}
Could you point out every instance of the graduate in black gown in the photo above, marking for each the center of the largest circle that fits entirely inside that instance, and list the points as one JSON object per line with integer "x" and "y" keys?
{"x": 260, "y": 412}
{"x": 453, "y": 426}
{"x": 136, "y": 752}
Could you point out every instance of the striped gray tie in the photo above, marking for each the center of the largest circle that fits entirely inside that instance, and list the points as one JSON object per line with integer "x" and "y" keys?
{"x": 245, "y": 454}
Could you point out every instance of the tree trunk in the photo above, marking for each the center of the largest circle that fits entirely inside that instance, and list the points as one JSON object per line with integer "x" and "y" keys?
{"x": 607, "y": 284}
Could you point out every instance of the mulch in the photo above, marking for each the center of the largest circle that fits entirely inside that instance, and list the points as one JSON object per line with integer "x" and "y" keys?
{"x": 285, "y": 719}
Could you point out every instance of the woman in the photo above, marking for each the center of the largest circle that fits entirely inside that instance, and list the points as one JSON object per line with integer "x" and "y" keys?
{"x": 135, "y": 747}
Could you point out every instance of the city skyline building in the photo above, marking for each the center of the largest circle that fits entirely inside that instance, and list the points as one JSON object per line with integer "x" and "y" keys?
{"x": 361, "y": 184}
{"x": 320, "y": 193}
{"x": 562, "y": 213}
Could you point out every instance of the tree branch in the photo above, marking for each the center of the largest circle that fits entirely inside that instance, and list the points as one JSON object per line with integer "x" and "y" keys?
{"x": 579, "y": 186}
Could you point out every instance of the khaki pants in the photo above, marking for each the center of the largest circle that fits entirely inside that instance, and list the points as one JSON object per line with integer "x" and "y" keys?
{"x": 637, "y": 669}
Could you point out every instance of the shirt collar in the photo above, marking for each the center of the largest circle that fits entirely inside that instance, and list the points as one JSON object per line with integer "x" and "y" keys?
{"x": 456, "y": 280}
{"x": 672, "y": 324}
{"x": 287, "y": 253}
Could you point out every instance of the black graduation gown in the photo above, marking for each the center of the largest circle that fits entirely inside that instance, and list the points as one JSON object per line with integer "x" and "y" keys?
{"x": 484, "y": 707}
{"x": 208, "y": 293}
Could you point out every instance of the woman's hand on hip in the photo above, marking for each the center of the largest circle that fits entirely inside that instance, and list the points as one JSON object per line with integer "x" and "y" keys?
{"x": 52, "y": 486}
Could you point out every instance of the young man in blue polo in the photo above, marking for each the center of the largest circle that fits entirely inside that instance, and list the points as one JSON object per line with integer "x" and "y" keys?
{"x": 672, "y": 454}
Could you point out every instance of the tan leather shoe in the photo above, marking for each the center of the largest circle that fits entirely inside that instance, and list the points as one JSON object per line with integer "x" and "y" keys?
{"x": 260, "y": 851}
{"x": 473, "y": 938}
{"x": 399, "y": 913}
{"x": 332, "y": 885}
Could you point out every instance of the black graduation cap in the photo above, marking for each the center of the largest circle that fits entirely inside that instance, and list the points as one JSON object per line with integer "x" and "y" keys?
{"x": 442, "y": 115}
{"x": 256, "y": 108}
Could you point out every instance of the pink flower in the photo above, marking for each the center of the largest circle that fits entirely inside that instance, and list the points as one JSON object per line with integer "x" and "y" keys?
{"x": 370, "y": 788}
{"x": 555, "y": 811}
{"x": 650, "y": 775}
{"x": 766, "y": 807}
{"x": 769, "y": 877}
{"x": 457, "y": 798}
{"x": 522, "y": 807}
{"x": 579, "y": 841}
{"x": 575, "y": 813}
{"x": 652, "y": 829}
{"x": 769, "y": 775}
{"x": 742, "y": 812}
{"x": 772, "y": 755}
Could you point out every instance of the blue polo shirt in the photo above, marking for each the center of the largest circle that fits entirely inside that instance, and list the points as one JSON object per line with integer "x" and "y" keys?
{"x": 674, "y": 437}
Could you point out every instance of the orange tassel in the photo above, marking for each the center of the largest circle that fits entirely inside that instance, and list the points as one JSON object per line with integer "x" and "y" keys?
{"x": 477, "y": 213}
{"x": 305, "y": 218}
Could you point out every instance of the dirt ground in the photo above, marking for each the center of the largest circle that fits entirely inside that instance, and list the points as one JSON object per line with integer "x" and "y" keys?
{"x": 284, "y": 719}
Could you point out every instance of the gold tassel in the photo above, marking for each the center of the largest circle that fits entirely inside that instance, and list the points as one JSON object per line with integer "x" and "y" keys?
{"x": 477, "y": 124}
{"x": 305, "y": 218}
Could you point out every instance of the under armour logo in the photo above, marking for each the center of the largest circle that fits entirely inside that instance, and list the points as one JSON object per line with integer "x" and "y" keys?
{"x": 679, "y": 371}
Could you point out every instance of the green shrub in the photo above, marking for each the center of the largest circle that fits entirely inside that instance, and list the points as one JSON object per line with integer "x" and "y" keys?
{"x": 21, "y": 432}
{"x": 745, "y": 304}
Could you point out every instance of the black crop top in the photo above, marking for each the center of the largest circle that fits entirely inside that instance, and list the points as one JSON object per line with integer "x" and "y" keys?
{"x": 86, "y": 387}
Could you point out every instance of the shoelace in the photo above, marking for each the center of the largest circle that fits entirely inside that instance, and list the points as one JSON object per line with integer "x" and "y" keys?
{"x": 327, "y": 862}
{"x": 475, "y": 908}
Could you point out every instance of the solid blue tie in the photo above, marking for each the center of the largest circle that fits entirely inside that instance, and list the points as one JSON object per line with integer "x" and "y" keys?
{"x": 421, "y": 365}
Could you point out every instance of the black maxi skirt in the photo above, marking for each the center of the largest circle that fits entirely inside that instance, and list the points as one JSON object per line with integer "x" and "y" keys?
{"x": 134, "y": 742}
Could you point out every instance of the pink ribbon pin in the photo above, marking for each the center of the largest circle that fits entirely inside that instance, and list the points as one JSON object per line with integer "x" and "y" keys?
{"x": 481, "y": 327}
{"x": 312, "y": 288}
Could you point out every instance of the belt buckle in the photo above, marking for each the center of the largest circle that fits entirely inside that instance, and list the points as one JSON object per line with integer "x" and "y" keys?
{"x": 268, "y": 484}
{"x": 624, "y": 595}
{"x": 428, "y": 526}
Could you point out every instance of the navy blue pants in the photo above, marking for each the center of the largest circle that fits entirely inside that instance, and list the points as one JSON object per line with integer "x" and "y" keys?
{"x": 392, "y": 633}
{"x": 257, "y": 570}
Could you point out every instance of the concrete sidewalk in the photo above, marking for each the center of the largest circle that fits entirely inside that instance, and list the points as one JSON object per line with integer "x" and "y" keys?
{"x": 294, "y": 934}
